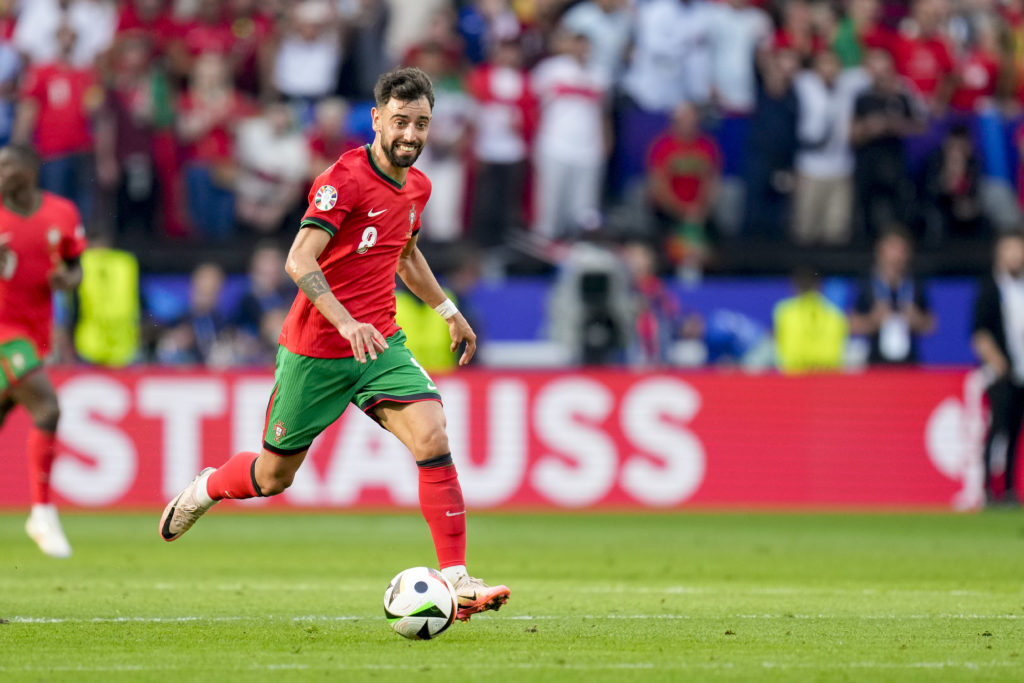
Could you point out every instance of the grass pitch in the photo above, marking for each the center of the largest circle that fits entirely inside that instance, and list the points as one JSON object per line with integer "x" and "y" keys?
{"x": 662, "y": 597}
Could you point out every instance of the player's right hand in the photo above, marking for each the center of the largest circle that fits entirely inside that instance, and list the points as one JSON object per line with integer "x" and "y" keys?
{"x": 364, "y": 338}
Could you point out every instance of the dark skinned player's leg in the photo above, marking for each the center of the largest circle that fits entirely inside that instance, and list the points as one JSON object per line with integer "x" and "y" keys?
{"x": 36, "y": 394}
{"x": 421, "y": 427}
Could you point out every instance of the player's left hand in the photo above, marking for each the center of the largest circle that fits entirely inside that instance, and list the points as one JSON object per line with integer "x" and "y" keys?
{"x": 61, "y": 277}
{"x": 461, "y": 332}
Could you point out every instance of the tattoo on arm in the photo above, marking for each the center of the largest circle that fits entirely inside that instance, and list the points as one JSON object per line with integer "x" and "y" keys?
{"x": 313, "y": 284}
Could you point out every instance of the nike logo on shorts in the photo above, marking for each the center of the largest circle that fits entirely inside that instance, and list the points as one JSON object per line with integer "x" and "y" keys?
{"x": 449, "y": 513}
{"x": 371, "y": 213}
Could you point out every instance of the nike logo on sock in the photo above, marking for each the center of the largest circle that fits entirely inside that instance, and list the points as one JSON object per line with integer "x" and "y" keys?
{"x": 371, "y": 213}
{"x": 449, "y": 513}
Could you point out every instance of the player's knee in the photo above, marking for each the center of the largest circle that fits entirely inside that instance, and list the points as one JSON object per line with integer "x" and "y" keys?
{"x": 275, "y": 483}
{"x": 431, "y": 443}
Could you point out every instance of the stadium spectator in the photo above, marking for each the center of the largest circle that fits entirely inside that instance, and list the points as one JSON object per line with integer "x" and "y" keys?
{"x": 263, "y": 307}
{"x": 978, "y": 70}
{"x": 55, "y": 110}
{"x": 366, "y": 23}
{"x": 329, "y": 137}
{"x": 810, "y": 331}
{"x": 273, "y": 166}
{"x": 309, "y": 55}
{"x": 137, "y": 106}
{"x": 659, "y": 317}
{"x": 108, "y": 326}
{"x": 204, "y": 31}
{"x": 883, "y": 116}
{"x": 253, "y": 33}
{"x": 670, "y": 64}
{"x": 951, "y": 193}
{"x": 860, "y": 30}
{"x": 40, "y": 21}
{"x": 739, "y": 32}
{"x": 823, "y": 197}
{"x": 444, "y": 159}
{"x": 608, "y": 24}
{"x": 504, "y": 119}
{"x": 572, "y": 140}
{"x": 684, "y": 169}
{"x": 771, "y": 148}
{"x": 202, "y": 335}
{"x": 11, "y": 65}
{"x": 481, "y": 23}
{"x": 798, "y": 31}
{"x": 207, "y": 114}
{"x": 923, "y": 54}
{"x": 998, "y": 342}
{"x": 891, "y": 307}
{"x": 148, "y": 19}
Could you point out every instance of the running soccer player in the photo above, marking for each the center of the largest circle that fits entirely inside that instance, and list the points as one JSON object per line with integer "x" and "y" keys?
{"x": 340, "y": 342}
{"x": 41, "y": 240}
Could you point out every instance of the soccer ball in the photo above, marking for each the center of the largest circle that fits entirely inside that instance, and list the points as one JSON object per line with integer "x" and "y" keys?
{"x": 420, "y": 603}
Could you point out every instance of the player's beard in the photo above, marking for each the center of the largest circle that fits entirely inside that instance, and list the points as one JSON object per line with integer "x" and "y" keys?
{"x": 392, "y": 153}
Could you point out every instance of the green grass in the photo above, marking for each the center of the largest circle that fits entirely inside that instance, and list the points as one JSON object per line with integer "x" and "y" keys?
{"x": 661, "y": 597}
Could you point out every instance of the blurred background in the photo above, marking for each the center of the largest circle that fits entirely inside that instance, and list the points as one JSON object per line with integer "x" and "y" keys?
{"x": 717, "y": 252}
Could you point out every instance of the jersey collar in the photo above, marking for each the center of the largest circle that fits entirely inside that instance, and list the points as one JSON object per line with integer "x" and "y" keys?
{"x": 376, "y": 169}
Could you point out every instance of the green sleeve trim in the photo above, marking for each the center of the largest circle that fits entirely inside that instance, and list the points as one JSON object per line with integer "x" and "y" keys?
{"x": 315, "y": 222}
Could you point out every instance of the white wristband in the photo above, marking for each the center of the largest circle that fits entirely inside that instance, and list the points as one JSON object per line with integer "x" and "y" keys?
{"x": 446, "y": 309}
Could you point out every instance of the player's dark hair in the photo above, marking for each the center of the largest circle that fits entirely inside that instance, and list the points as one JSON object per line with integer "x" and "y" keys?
{"x": 405, "y": 84}
{"x": 26, "y": 154}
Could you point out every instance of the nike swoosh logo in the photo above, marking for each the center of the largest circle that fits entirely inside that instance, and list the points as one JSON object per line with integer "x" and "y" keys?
{"x": 372, "y": 213}
{"x": 449, "y": 513}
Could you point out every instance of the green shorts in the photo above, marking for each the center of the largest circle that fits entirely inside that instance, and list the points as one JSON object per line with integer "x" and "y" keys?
{"x": 18, "y": 357}
{"x": 311, "y": 393}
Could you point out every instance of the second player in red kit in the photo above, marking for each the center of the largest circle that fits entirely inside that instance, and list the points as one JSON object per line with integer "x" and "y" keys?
{"x": 41, "y": 240}
{"x": 340, "y": 343}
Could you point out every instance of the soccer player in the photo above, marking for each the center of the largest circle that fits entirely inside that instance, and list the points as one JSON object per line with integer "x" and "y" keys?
{"x": 340, "y": 342}
{"x": 41, "y": 240}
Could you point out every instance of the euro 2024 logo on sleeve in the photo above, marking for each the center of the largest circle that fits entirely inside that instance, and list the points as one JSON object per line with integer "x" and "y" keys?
{"x": 326, "y": 197}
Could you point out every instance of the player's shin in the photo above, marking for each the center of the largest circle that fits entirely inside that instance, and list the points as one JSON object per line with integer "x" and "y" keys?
{"x": 41, "y": 449}
{"x": 443, "y": 508}
{"x": 235, "y": 479}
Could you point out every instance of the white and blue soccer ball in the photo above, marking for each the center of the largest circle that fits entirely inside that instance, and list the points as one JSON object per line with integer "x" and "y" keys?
{"x": 420, "y": 603}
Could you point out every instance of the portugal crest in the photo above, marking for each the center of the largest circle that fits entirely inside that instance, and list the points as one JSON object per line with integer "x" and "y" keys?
{"x": 412, "y": 218}
{"x": 326, "y": 197}
{"x": 279, "y": 431}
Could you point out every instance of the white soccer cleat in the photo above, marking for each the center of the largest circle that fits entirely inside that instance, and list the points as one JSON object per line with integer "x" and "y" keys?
{"x": 476, "y": 596}
{"x": 43, "y": 527}
{"x": 188, "y": 506}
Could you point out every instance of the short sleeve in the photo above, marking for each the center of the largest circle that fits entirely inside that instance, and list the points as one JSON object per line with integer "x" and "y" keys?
{"x": 418, "y": 223}
{"x": 331, "y": 198}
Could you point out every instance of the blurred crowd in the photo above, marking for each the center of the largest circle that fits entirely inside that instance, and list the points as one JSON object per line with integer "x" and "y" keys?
{"x": 683, "y": 126}
{"x": 691, "y": 121}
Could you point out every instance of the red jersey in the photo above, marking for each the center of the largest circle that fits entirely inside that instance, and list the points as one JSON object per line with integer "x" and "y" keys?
{"x": 925, "y": 62}
{"x": 67, "y": 96}
{"x": 688, "y": 163}
{"x": 50, "y": 234}
{"x": 370, "y": 217}
{"x": 978, "y": 77}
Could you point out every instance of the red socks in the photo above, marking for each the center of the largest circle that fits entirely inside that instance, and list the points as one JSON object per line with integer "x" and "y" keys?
{"x": 443, "y": 508}
{"x": 235, "y": 479}
{"x": 41, "y": 449}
